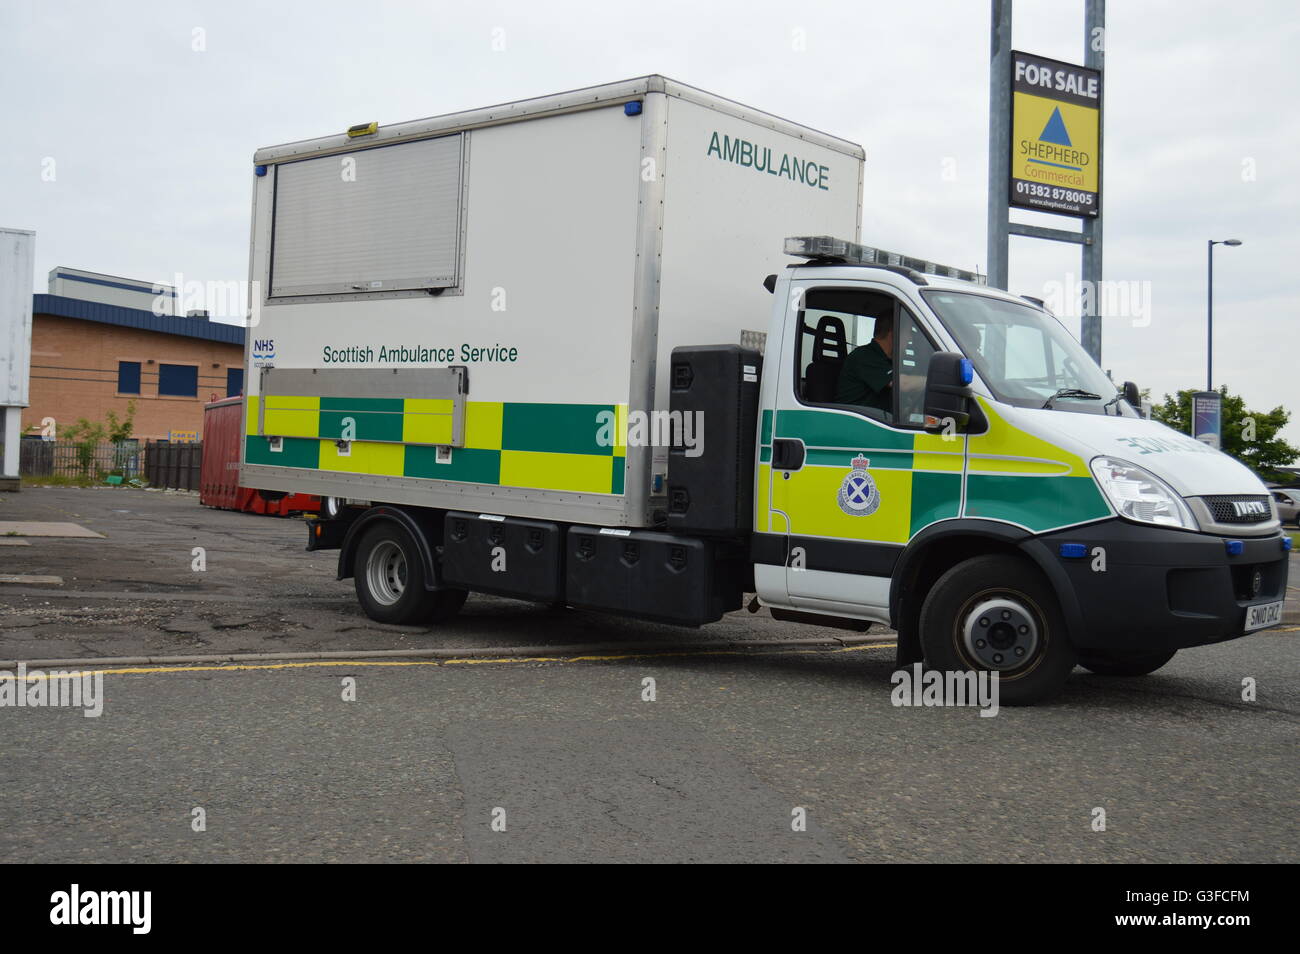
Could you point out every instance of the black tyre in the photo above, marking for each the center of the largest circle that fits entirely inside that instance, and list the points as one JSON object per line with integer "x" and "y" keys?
{"x": 998, "y": 614}
{"x": 1123, "y": 664}
{"x": 390, "y": 580}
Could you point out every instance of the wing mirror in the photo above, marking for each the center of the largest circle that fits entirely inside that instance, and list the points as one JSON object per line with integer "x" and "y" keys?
{"x": 1133, "y": 396}
{"x": 949, "y": 402}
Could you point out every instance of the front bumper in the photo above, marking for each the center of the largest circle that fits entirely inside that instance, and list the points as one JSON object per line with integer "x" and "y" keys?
{"x": 1160, "y": 589}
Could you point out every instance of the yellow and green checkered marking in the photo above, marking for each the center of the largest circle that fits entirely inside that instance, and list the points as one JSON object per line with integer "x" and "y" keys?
{"x": 539, "y": 446}
{"x": 1017, "y": 476}
{"x": 394, "y": 420}
{"x": 918, "y": 475}
{"x": 1013, "y": 476}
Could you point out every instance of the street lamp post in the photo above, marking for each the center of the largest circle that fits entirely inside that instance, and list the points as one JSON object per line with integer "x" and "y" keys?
{"x": 1209, "y": 308}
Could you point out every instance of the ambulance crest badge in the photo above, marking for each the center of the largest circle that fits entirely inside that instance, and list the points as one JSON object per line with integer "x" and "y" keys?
{"x": 859, "y": 496}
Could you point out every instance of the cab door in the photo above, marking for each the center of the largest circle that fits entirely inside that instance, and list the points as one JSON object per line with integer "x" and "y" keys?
{"x": 853, "y": 483}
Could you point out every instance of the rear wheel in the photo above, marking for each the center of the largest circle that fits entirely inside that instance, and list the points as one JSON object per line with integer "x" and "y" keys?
{"x": 1123, "y": 664}
{"x": 998, "y": 614}
{"x": 390, "y": 580}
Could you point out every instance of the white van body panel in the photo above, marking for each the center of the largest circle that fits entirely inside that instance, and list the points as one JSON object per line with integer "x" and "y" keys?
{"x": 1189, "y": 466}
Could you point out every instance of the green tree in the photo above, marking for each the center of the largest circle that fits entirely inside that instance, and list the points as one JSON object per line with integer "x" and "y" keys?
{"x": 1250, "y": 436}
{"x": 119, "y": 430}
{"x": 86, "y": 436}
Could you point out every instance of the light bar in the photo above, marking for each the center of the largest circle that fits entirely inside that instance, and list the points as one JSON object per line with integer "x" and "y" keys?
{"x": 824, "y": 246}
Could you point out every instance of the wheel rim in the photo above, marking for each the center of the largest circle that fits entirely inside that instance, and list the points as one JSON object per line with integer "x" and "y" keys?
{"x": 1000, "y": 631}
{"x": 386, "y": 572}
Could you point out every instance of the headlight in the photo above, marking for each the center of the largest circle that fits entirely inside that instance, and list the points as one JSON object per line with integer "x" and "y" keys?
{"x": 1138, "y": 494}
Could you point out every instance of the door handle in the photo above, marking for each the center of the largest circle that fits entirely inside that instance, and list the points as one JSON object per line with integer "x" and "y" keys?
{"x": 787, "y": 454}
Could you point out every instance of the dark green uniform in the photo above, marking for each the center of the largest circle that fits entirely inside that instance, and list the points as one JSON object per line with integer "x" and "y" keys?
{"x": 867, "y": 378}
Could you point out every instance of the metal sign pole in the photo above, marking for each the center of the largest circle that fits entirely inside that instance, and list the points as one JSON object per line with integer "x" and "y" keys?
{"x": 1094, "y": 57}
{"x": 1209, "y": 315}
{"x": 999, "y": 143}
{"x": 1000, "y": 159}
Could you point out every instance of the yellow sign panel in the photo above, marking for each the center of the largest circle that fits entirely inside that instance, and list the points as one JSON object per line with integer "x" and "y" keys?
{"x": 1055, "y": 136}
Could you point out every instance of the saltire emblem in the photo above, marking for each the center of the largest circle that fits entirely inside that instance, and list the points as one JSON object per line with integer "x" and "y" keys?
{"x": 858, "y": 495}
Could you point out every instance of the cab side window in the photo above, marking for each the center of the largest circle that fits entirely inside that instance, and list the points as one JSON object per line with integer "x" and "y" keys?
{"x": 861, "y": 351}
{"x": 914, "y": 350}
{"x": 834, "y": 324}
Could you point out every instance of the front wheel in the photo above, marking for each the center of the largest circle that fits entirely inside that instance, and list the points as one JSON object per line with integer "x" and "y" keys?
{"x": 390, "y": 580}
{"x": 998, "y": 614}
{"x": 1123, "y": 664}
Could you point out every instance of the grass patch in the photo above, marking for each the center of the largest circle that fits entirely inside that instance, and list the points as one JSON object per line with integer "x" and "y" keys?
{"x": 59, "y": 480}
{"x": 64, "y": 480}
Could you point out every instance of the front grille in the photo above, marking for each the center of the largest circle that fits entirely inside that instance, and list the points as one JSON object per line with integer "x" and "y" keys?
{"x": 1242, "y": 509}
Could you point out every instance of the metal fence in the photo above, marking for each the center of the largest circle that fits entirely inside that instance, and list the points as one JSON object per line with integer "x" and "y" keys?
{"x": 160, "y": 463}
{"x": 80, "y": 459}
{"x": 173, "y": 465}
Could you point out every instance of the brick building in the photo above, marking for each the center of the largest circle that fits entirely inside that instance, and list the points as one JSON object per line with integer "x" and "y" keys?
{"x": 90, "y": 357}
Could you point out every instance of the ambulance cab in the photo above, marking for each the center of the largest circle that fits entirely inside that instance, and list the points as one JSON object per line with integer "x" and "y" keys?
{"x": 945, "y": 458}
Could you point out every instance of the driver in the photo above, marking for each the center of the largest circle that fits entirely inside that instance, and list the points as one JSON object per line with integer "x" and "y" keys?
{"x": 867, "y": 377}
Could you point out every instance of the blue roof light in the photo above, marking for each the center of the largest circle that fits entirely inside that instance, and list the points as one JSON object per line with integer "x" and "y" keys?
{"x": 259, "y": 170}
{"x": 633, "y": 108}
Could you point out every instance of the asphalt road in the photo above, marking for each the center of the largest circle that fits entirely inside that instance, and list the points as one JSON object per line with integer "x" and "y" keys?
{"x": 568, "y": 752}
{"x": 137, "y": 592}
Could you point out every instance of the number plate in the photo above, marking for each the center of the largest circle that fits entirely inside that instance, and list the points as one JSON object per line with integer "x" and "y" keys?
{"x": 1263, "y": 615}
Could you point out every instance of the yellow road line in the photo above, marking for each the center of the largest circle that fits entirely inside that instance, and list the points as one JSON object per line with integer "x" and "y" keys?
{"x": 352, "y": 664}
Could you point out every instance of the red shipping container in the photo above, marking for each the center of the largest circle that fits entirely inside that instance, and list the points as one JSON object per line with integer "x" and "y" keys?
{"x": 219, "y": 471}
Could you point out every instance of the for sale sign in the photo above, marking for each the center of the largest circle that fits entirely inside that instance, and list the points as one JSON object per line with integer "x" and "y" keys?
{"x": 1055, "y": 136}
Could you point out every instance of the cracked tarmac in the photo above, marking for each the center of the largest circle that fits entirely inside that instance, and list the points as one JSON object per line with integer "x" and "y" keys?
{"x": 136, "y": 591}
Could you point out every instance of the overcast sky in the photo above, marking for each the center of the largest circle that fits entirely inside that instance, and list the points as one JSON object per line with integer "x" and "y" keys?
{"x": 152, "y": 139}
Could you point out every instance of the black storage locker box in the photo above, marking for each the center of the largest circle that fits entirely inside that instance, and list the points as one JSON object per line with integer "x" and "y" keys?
{"x": 532, "y": 551}
{"x": 650, "y": 575}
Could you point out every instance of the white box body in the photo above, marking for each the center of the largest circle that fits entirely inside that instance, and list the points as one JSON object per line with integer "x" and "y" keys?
{"x": 581, "y": 240}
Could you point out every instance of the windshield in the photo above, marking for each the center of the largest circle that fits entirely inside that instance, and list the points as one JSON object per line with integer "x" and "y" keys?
{"x": 1024, "y": 355}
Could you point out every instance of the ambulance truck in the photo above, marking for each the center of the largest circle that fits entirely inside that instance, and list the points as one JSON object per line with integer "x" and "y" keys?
{"x": 589, "y": 350}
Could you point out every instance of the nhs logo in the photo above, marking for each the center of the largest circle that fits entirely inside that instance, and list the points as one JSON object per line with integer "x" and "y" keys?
{"x": 263, "y": 352}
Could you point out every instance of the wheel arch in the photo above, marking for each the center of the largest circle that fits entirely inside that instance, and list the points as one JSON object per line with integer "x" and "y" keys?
{"x": 424, "y": 526}
{"x": 940, "y": 547}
